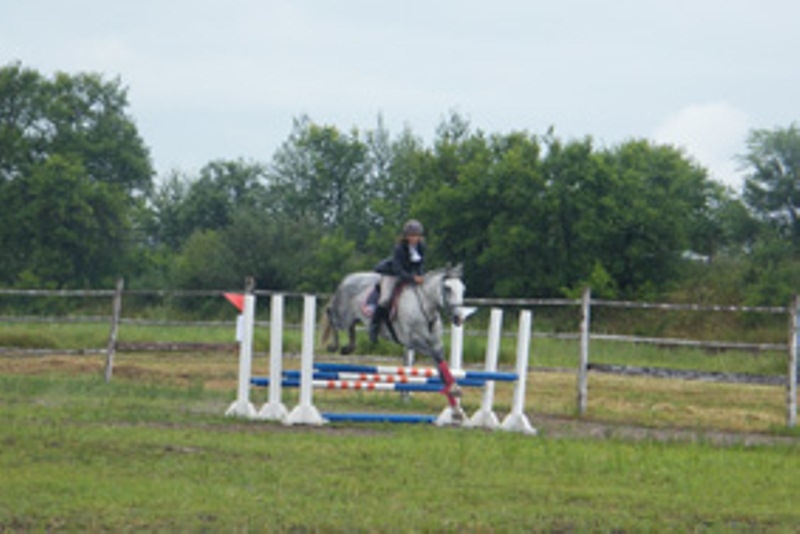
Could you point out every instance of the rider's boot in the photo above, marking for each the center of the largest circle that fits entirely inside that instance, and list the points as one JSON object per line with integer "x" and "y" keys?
{"x": 381, "y": 314}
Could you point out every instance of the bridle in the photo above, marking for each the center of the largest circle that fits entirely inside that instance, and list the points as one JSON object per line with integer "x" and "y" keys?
{"x": 449, "y": 307}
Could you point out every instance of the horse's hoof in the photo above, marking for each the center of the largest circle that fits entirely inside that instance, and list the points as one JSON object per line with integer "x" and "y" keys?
{"x": 458, "y": 415}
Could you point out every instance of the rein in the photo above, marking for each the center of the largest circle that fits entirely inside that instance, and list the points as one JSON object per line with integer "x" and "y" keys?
{"x": 432, "y": 319}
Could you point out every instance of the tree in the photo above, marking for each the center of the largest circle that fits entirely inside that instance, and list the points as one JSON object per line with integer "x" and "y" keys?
{"x": 224, "y": 187}
{"x": 482, "y": 208}
{"x": 63, "y": 228}
{"x": 401, "y": 169}
{"x": 72, "y": 171}
{"x": 165, "y": 224}
{"x": 276, "y": 251}
{"x": 78, "y": 116}
{"x": 772, "y": 187}
{"x": 655, "y": 199}
{"x": 321, "y": 175}
{"x": 87, "y": 119}
{"x": 21, "y": 124}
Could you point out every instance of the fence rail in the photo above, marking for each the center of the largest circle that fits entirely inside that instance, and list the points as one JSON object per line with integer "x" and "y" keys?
{"x": 586, "y": 303}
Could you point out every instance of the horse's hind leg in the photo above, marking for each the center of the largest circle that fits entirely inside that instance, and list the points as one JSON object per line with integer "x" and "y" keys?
{"x": 351, "y": 346}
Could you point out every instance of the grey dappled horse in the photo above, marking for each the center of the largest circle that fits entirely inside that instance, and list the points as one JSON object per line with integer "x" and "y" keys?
{"x": 415, "y": 320}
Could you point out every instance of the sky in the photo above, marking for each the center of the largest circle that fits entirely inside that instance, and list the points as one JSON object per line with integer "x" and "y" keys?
{"x": 212, "y": 79}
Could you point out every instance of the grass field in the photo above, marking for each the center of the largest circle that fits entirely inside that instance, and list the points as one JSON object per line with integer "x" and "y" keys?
{"x": 152, "y": 451}
{"x": 546, "y": 352}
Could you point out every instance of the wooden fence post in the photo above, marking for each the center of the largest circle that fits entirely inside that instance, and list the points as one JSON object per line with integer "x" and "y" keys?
{"x": 791, "y": 383}
{"x": 112, "y": 336}
{"x": 583, "y": 364}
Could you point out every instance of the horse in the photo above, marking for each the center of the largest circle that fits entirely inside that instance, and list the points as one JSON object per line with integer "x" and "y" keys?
{"x": 414, "y": 322}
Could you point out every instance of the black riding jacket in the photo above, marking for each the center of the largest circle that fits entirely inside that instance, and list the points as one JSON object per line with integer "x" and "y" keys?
{"x": 399, "y": 264}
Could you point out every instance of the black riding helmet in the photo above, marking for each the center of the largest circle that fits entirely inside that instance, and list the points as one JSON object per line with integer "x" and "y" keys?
{"x": 412, "y": 227}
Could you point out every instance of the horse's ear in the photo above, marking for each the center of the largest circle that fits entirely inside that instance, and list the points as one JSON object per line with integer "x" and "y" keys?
{"x": 457, "y": 271}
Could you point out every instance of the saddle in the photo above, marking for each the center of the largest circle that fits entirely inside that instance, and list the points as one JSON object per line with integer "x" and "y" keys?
{"x": 372, "y": 297}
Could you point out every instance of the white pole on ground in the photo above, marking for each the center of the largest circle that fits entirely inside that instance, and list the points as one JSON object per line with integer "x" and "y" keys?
{"x": 517, "y": 421}
{"x": 242, "y": 407}
{"x": 274, "y": 410}
{"x": 485, "y": 417}
{"x": 306, "y": 413}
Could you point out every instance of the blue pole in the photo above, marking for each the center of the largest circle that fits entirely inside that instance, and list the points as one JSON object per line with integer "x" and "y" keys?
{"x": 378, "y": 418}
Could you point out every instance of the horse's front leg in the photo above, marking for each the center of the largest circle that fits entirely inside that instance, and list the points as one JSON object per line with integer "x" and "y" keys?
{"x": 333, "y": 346}
{"x": 451, "y": 390}
{"x": 351, "y": 345}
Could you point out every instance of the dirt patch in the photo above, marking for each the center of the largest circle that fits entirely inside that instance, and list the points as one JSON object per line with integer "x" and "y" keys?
{"x": 40, "y": 365}
{"x": 565, "y": 427}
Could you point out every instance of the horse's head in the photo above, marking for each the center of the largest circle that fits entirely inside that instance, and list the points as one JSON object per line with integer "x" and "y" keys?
{"x": 453, "y": 290}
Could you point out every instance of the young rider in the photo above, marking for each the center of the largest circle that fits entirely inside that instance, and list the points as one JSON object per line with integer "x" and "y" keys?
{"x": 405, "y": 265}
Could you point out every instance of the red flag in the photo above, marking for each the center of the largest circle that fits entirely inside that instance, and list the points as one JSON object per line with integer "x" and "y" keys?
{"x": 237, "y": 299}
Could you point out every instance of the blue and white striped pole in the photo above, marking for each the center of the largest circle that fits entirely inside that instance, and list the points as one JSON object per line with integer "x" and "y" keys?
{"x": 414, "y": 371}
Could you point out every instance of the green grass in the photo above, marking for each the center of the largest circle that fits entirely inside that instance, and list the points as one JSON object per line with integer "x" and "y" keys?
{"x": 545, "y": 352}
{"x": 76, "y": 336}
{"x": 79, "y": 454}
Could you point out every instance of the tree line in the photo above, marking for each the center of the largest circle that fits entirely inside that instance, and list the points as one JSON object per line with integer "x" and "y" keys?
{"x": 527, "y": 215}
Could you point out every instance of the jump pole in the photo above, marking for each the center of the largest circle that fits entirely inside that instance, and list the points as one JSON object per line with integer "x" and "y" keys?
{"x": 457, "y": 340}
{"x": 371, "y": 377}
{"x": 359, "y": 417}
{"x": 457, "y": 346}
{"x": 485, "y": 417}
{"x": 336, "y": 381}
{"x": 274, "y": 410}
{"x": 242, "y": 407}
{"x": 517, "y": 421}
{"x": 306, "y": 413}
{"x": 408, "y": 360}
{"x": 428, "y": 372}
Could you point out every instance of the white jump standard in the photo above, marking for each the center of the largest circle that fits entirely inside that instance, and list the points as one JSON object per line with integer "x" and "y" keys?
{"x": 242, "y": 407}
{"x": 305, "y": 413}
{"x": 372, "y": 377}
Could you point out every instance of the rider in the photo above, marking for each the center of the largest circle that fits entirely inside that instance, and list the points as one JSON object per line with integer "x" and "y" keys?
{"x": 406, "y": 264}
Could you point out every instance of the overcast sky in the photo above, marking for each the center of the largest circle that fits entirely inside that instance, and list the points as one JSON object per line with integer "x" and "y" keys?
{"x": 212, "y": 79}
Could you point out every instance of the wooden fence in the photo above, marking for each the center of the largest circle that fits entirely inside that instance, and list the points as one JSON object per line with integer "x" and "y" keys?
{"x": 584, "y": 334}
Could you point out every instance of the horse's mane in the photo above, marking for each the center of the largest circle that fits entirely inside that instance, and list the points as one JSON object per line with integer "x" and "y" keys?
{"x": 454, "y": 271}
